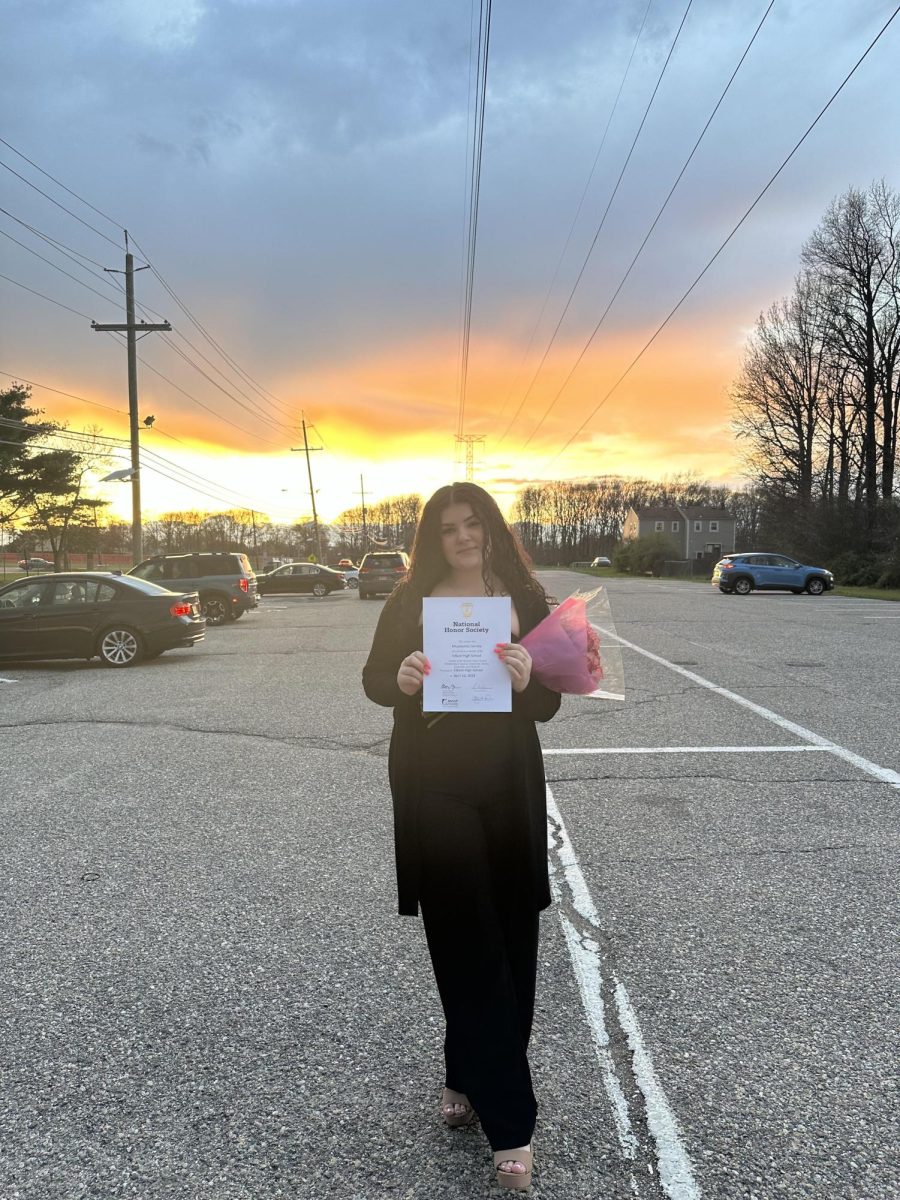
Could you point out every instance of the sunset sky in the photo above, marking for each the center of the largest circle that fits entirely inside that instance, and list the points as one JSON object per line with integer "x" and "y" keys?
{"x": 296, "y": 172}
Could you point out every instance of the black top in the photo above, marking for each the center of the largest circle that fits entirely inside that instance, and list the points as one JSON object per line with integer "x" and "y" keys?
{"x": 509, "y": 744}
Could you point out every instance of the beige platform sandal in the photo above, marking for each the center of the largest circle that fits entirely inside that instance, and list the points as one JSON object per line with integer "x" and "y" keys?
{"x": 455, "y": 1120}
{"x": 517, "y": 1180}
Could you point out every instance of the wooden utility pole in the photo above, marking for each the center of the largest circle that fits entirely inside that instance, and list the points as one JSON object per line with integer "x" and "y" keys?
{"x": 130, "y": 329}
{"x": 307, "y": 450}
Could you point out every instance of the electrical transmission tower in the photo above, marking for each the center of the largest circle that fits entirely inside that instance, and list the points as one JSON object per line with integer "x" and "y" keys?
{"x": 470, "y": 441}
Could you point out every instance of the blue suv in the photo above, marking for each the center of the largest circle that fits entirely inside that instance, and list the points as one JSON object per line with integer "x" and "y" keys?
{"x": 741, "y": 573}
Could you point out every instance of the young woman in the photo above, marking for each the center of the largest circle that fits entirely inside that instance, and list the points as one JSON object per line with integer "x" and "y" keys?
{"x": 470, "y": 820}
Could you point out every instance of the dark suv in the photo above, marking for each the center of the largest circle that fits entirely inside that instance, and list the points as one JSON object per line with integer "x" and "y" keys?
{"x": 381, "y": 571}
{"x": 226, "y": 582}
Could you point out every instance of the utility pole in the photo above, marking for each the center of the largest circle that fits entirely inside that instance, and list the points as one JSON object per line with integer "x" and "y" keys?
{"x": 365, "y": 533}
{"x": 307, "y": 450}
{"x": 130, "y": 329}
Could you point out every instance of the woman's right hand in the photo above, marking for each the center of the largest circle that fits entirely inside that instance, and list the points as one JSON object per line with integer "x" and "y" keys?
{"x": 412, "y": 673}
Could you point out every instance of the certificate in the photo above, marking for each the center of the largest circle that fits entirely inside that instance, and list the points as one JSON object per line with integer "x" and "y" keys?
{"x": 459, "y": 634}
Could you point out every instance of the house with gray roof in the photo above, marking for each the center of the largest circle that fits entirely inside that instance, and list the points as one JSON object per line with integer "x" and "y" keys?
{"x": 700, "y": 531}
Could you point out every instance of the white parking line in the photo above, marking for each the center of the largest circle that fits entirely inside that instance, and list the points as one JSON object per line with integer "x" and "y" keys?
{"x": 4, "y": 680}
{"x": 676, "y": 1173}
{"x": 693, "y": 750}
{"x": 884, "y": 774}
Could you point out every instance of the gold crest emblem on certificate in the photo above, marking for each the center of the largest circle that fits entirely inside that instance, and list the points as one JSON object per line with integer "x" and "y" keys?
{"x": 466, "y": 610}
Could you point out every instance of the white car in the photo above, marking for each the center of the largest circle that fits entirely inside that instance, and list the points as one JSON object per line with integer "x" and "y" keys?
{"x": 601, "y": 561}
{"x": 351, "y": 574}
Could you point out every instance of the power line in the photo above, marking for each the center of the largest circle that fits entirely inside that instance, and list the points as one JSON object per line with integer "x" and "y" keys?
{"x": 43, "y": 297}
{"x": 484, "y": 37}
{"x": 189, "y": 477}
{"x": 117, "y": 224}
{"x": 55, "y": 266}
{"x": 647, "y": 236}
{"x": 263, "y": 392}
{"x": 255, "y": 412}
{"x": 61, "y": 246}
{"x": 602, "y": 222}
{"x": 206, "y": 407}
{"x": 584, "y": 193}
{"x": 46, "y": 387}
{"x": 162, "y": 281}
{"x": 86, "y": 224}
{"x": 734, "y": 230}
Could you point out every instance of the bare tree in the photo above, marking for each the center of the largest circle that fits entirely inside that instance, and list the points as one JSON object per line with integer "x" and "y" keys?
{"x": 856, "y": 253}
{"x": 781, "y": 394}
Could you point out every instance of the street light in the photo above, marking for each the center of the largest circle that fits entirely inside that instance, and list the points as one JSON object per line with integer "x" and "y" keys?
{"x": 122, "y": 476}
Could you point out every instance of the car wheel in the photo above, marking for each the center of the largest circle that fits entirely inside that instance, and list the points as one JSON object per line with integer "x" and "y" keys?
{"x": 319, "y": 589}
{"x": 352, "y": 583}
{"x": 743, "y": 586}
{"x": 215, "y": 609}
{"x": 120, "y": 648}
{"x": 815, "y": 587}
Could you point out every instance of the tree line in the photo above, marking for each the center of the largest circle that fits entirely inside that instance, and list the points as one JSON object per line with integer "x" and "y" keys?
{"x": 816, "y": 399}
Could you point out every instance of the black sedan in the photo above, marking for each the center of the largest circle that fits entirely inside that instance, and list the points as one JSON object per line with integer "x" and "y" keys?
{"x": 300, "y": 577}
{"x": 84, "y": 614}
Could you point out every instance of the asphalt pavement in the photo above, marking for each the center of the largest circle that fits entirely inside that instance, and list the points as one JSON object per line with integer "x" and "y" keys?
{"x": 206, "y": 990}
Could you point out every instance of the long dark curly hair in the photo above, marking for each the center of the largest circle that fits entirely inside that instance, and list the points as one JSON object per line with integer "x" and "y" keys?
{"x": 503, "y": 553}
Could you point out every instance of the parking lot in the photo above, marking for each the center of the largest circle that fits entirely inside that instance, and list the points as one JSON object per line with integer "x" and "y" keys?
{"x": 207, "y": 991}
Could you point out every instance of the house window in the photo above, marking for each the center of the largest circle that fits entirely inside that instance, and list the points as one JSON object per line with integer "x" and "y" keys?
{"x": 674, "y": 526}
{"x": 714, "y": 527}
{"x": 660, "y": 526}
{"x": 698, "y": 526}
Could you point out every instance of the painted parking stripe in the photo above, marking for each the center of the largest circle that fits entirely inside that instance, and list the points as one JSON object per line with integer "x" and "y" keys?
{"x": 3, "y": 679}
{"x": 673, "y": 1164}
{"x": 883, "y": 774}
{"x": 693, "y": 750}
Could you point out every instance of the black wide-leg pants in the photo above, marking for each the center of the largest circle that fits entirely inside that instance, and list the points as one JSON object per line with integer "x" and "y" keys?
{"x": 483, "y": 938}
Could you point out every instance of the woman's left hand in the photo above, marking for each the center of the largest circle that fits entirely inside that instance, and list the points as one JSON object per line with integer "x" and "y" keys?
{"x": 517, "y": 661}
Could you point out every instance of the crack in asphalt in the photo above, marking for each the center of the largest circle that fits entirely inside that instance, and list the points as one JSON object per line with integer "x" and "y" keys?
{"x": 315, "y": 743}
{"x": 731, "y": 854}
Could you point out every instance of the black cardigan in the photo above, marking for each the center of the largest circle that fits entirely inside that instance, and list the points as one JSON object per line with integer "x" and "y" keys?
{"x": 399, "y": 633}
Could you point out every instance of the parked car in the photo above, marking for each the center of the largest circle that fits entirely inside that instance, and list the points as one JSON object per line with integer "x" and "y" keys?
{"x": 301, "y": 577}
{"x": 346, "y": 562}
{"x": 380, "y": 571}
{"x": 35, "y": 564}
{"x": 225, "y": 582}
{"x": 84, "y": 614}
{"x": 741, "y": 573}
{"x": 351, "y": 574}
{"x": 601, "y": 561}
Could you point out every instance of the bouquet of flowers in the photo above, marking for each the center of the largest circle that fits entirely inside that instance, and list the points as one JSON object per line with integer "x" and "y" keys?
{"x": 570, "y": 654}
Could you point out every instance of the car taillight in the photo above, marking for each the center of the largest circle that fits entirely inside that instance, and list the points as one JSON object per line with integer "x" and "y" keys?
{"x": 180, "y": 609}
{"x": 399, "y": 570}
{"x": 244, "y": 585}
{"x": 727, "y": 566}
